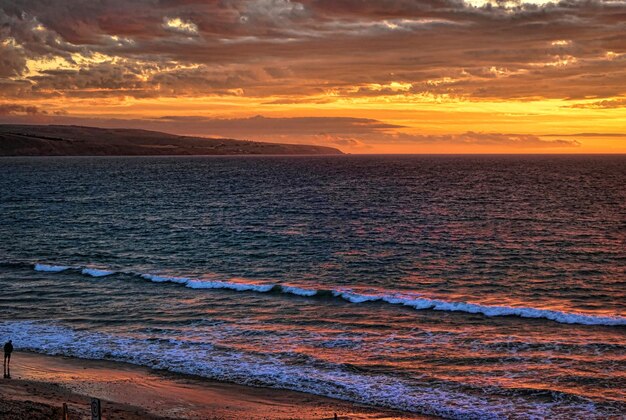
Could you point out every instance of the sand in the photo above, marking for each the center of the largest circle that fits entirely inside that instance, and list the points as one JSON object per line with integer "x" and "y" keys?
{"x": 41, "y": 384}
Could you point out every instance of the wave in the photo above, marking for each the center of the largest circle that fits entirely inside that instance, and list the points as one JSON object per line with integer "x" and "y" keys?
{"x": 394, "y": 298}
{"x": 94, "y": 272}
{"x": 51, "y": 268}
{"x": 298, "y": 291}
{"x": 178, "y": 354}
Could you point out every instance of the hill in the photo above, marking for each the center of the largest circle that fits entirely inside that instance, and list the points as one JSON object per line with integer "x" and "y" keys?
{"x": 69, "y": 140}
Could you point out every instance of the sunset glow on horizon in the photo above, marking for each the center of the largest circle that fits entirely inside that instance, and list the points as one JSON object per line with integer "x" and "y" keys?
{"x": 391, "y": 76}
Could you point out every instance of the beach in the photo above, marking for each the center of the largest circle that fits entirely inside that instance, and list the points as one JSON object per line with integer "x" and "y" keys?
{"x": 40, "y": 385}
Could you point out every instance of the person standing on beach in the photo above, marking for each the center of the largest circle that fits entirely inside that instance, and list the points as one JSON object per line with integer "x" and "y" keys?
{"x": 8, "y": 349}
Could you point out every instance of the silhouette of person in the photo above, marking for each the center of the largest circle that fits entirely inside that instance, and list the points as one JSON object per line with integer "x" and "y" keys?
{"x": 8, "y": 349}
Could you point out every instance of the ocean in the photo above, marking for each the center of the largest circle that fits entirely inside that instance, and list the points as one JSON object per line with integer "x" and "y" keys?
{"x": 458, "y": 286}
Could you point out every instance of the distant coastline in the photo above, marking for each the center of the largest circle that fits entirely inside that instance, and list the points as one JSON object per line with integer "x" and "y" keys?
{"x": 70, "y": 140}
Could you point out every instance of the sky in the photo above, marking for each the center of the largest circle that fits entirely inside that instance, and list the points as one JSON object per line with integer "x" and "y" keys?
{"x": 365, "y": 76}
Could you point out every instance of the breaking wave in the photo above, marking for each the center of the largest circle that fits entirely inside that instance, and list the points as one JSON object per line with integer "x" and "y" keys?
{"x": 94, "y": 272}
{"x": 411, "y": 300}
{"x": 51, "y": 268}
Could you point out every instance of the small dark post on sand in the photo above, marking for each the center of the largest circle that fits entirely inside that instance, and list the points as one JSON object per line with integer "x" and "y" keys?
{"x": 66, "y": 414}
{"x": 96, "y": 409}
{"x": 8, "y": 349}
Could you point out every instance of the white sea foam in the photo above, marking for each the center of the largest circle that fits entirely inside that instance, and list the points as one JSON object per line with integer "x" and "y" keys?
{"x": 51, "y": 268}
{"x": 95, "y": 272}
{"x": 176, "y": 354}
{"x": 355, "y": 297}
{"x": 247, "y": 369}
{"x": 240, "y": 287}
{"x": 207, "y": 284}
{"x": 298, "y": 291}
{"x": 162, "y": 279}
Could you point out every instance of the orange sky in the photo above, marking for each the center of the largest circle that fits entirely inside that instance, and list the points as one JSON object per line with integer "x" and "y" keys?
{"x": 385, "y": 76}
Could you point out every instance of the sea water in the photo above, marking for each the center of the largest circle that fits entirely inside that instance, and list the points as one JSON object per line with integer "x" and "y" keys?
{"x": 459, "y": 286}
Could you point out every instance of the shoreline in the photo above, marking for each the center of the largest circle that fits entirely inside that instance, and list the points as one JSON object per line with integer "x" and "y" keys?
{"x": 40, "y": 385}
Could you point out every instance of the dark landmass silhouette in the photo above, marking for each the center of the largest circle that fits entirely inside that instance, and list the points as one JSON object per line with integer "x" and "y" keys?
{"x": 70, "y": 140}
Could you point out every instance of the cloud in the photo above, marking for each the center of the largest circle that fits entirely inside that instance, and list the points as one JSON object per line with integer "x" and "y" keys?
{"x": 16, "y": 109}
{"x": 12, "y": 59}
{"x": 605, "y": 104}
{"x": 299, "y": 51}
{"x": 490, "y": 139}
{"x": 302, "y": 126}
{"x": 181, "y": 26}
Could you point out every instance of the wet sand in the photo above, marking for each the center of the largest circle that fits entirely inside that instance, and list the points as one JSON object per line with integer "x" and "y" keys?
{"x": 41, "y": 384}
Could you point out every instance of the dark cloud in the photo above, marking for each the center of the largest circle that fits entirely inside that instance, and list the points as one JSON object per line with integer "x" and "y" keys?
{"x": 102, "y": 76}
{"x": 295, "y": 49}
{"x": 15, "y": 109}
{"x": 303, "y": 126}
{"x": 12, "y": 60}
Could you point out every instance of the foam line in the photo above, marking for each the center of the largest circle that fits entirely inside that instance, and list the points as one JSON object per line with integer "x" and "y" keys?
{"x": 51, "y": 268}
{"x": 298, "y": 291}
{"x": 240, "y": 287}
{"x": 413, "y": 301}
{"x": 94, "y": 272}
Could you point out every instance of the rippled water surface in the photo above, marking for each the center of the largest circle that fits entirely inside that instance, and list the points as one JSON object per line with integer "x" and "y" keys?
{"x": 466, "y": 287}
